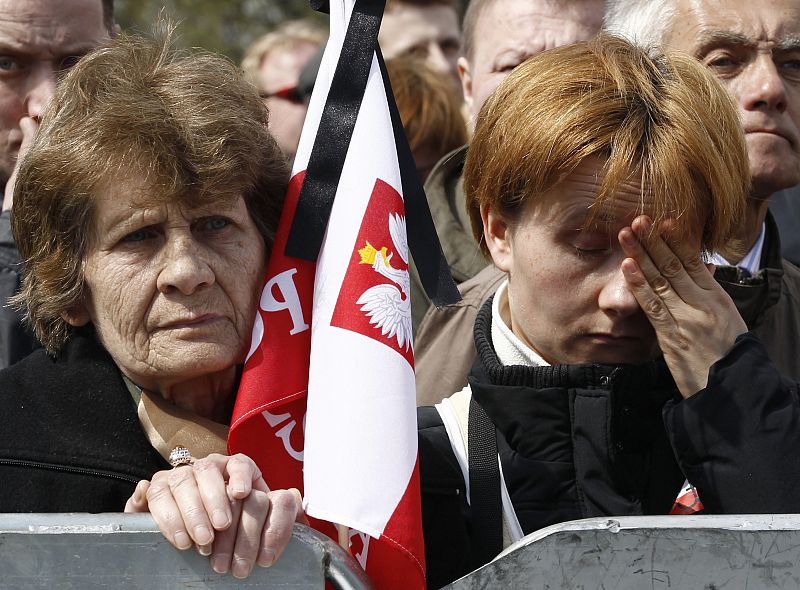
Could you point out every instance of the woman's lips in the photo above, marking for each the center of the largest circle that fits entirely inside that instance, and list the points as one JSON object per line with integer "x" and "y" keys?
{"x": 614, "y": 339}
{"x": 191, "y": 322}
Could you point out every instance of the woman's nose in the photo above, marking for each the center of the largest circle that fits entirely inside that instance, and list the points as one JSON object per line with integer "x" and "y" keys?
{"x": 615, "y": 296}
{"x": 184, "y": 267}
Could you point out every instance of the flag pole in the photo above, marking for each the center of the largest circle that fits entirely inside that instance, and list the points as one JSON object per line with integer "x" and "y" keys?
{"x": 344, "y": 536}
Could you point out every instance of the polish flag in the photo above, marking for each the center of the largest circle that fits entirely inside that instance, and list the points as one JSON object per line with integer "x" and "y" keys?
{"x": 328, "y": 405}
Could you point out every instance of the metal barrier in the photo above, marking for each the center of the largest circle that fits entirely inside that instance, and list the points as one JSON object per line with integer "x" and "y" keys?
{"x": 126, "y": 551}
{"x": 634, "y": 552}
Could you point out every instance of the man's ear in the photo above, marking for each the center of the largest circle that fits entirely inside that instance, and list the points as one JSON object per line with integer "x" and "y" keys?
{"x": 76, "y": 317}
{"x": 497, "y": 234}
{"x": 466, "y": 81}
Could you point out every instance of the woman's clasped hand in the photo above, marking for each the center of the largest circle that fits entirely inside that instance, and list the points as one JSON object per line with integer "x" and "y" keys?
{"x": 222, "y": 506}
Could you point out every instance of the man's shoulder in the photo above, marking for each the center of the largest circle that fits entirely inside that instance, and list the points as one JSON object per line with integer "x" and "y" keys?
{"x": 447, "y": 170}
{"x": 477, "y": 290}
{"x": 474, "y": 293}
{"x": 790, "y": 284}
{"x": 444, "y": 344}
{"x": 791, "y": 273}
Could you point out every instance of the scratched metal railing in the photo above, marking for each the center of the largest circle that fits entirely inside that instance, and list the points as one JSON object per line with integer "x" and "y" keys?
{"x": 126, "y": 551}
{"x": 635, "y": 552}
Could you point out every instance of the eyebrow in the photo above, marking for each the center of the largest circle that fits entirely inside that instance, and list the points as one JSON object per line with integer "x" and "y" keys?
{"x": 789, "y": 43}
{"x": 21, "y": 49}
{"x": 714, "y": 38}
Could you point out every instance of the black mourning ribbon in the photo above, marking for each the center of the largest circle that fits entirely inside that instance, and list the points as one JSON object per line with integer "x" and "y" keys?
{"x": 330, "y": 148}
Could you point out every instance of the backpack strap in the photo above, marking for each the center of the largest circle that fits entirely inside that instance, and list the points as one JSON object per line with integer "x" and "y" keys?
{"x": 486, "y": 508}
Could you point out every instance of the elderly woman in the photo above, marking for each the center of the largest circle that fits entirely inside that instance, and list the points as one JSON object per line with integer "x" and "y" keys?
{"x": 144, "y": 212}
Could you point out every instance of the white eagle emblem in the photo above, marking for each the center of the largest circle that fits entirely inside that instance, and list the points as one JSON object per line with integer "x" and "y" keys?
{"x": 388, "y": 307}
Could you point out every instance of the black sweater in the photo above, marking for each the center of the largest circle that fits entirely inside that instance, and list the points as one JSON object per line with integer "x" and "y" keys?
{"x": 71, "y": 439}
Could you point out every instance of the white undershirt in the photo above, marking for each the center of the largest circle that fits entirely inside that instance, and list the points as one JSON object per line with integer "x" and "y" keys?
{"x": 509, "y": 348}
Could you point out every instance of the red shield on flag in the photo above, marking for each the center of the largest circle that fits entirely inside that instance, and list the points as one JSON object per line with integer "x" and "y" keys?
{"x": 375, "y": 296}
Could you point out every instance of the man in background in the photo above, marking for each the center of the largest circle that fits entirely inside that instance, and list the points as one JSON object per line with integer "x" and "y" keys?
{"x": 39, "y": 40}
{"x": 274, "y": 64}
{"x": 422, "y": 29}
{"x": 754, "y": 49}
{"x": 498, "y": 36}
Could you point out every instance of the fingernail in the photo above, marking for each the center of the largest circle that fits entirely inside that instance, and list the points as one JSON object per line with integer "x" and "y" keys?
{"x": 241, "y": 568}
{"x": 182, "y": 540}
{"x": 237, "y": 487}
{"x": 204, "y": 550}
{"x": 629, "y": 266}
{"x": 266, "y": 557}
{"x": 220, "y": 563}
{"x": 202, "y": 535}
{"x": 220, "y": 519}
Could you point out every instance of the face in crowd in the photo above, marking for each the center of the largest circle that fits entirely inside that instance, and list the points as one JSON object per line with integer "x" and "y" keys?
{"x": 39, "y": 40}
{"x": 754, "y": 50}
{"x": 157, "y": 237}
{"x": 569, "y": 299}
{"x": 565, "y": 155}
{"x": 277, "y": 81}
{"x": 428, "y": 32}
{"x": 507, "y": 32}
{"x": 171, "y": 290}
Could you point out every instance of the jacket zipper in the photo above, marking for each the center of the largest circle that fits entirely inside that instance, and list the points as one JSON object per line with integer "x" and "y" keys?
{"x": 81, "y": 470}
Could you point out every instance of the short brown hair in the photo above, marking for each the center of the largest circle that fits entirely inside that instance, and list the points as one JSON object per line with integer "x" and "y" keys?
{"x": 663, "y": 117}
{"x": 429, "y": 106}
{"x": 186, "y": 123}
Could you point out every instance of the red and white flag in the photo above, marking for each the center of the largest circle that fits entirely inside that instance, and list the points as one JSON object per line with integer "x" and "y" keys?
{"x": 354, "y": 436}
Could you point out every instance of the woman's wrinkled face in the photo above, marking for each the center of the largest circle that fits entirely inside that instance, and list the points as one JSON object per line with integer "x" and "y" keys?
{"x": 171, "y": 290}
{"x": 568, "y": 299}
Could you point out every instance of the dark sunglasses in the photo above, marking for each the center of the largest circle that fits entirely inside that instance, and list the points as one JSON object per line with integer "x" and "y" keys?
{"x": 291, "y": 94}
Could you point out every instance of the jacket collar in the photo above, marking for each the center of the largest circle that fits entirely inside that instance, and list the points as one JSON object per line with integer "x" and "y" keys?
{"x": 754, "y": 295}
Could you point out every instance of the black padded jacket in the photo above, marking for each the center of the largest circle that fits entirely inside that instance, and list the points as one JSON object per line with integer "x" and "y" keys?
{"x": 578, "y": 441}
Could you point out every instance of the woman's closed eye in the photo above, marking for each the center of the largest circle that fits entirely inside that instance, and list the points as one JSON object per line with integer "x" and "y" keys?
{"x": 591, "y": 252}
{"x": 592, "y": 244}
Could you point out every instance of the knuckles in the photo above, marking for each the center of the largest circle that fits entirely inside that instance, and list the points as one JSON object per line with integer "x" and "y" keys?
{"x": 204, "y": 465}
{"x": 654, "y": 308}
{"x": 284, "y": 501}
{"x": 672, "y": 268}
{"x": 179, "y": 476}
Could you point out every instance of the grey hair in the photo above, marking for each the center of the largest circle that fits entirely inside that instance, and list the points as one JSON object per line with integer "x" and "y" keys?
{"x": 645, "y": 23}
